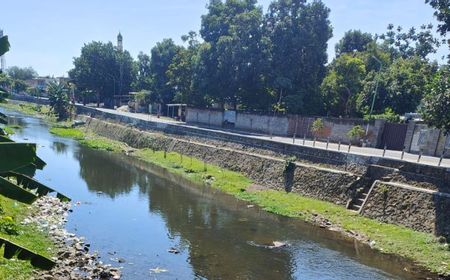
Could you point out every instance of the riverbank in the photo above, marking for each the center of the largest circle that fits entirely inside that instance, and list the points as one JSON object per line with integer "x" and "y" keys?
{"x": 13, "y": 228}
{"x": 40, "y": 227}
{"x": 423, "y": 249}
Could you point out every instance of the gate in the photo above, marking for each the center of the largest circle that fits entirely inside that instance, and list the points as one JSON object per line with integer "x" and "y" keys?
{"x": 394, "y": 135}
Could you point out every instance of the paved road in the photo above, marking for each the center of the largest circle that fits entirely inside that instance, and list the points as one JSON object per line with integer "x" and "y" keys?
{"x": 428, "y": 160}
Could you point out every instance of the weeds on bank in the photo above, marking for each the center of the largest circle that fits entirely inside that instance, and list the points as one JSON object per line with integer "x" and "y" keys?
{"x": 41, "y": 111}
{"x": 12, "y": 214}
{"x": 423, "y": 248}
{"x": 86, "y": 139}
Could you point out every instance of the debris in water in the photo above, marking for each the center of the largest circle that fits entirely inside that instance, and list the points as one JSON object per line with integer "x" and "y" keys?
{"x": 173, "y": 250}
{"x": 158, "y": 270}
{"x": 278, "y": 244}
{"x": 272, "y": 245}
{"x": 250, "y": 206}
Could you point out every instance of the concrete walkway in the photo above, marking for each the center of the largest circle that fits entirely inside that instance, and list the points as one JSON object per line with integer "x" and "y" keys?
{"x": 428, "y": 160}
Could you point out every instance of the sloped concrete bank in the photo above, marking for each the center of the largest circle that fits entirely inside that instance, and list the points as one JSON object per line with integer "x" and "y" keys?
{"x": 399, "y": 196}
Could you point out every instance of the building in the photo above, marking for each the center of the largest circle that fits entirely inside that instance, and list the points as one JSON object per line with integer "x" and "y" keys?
{"x": 40, "y": 83}
{"x": 120, "y": 42}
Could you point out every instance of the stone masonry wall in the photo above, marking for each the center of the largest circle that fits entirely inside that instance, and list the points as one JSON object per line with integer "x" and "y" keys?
{"x": 423, "y": 204}
{"x": 422, "y": 210}
{"x": 309, "y": 180}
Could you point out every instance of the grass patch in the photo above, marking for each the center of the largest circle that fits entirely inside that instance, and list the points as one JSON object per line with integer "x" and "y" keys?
{"x": 100, "y": 143}
{"x": 28, "y": 236}
{"x": 423, "y": 248}
{"x": 41, "y": 111}
{"x": 68, "y": 132}
{"x": 90, "y": 140}
{"x": 9, "y": 130}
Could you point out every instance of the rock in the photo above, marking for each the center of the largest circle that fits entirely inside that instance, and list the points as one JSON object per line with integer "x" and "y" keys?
{"x": 73, "y": 260}
{"x": 173, "y": 250}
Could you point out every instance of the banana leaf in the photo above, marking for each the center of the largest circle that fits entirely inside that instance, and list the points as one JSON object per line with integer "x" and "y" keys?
{"x": 29, "y": 183}
{"x": 13, "y": 191}
{"x": 3, "y": 118}
{"x": 12, "y": 249}
{"x": 4, "y": 45}
{"x": 4, "y": 138}
{"x": 17, "y": 155}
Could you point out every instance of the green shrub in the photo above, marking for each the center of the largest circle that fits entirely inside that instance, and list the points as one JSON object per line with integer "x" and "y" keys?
{"x": 317, "y": 126}
{"x": 357, "y": 132}
{"x": 8, "y": 226}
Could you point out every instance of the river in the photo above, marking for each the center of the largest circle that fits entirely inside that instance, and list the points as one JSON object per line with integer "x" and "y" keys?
{"x": 135, "y": 213}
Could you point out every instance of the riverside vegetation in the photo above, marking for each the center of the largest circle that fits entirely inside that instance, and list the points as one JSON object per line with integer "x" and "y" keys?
{"x": 422, "y": 248}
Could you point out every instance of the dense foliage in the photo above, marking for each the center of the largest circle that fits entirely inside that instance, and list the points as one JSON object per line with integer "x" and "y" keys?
{"x": 104, "y": 70}
{"x": 245, "y": 58}
{"x": 436, "y": 105}
{"x": 22, "y": 74}
{"x": 59, "y": 100}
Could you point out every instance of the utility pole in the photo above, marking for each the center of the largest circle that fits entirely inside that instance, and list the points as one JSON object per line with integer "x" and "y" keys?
{"x": 374, "y": 93}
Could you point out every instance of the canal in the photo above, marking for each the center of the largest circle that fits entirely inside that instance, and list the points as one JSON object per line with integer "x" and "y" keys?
{"x": 159, "y": 226}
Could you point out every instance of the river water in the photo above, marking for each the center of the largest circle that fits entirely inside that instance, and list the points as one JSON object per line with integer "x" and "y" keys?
{"x": 135, "y": 213}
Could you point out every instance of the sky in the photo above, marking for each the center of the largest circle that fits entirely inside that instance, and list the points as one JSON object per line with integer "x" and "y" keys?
{"x": 48, "y": 34}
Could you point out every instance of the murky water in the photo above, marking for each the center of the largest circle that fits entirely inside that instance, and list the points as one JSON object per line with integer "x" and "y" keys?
{"x": 135, "y": 213}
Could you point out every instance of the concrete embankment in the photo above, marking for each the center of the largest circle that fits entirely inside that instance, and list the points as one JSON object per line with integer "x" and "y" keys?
{"x": 415, "y": 196}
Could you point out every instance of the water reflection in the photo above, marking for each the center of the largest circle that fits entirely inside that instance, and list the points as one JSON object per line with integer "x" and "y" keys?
{"x": 60, "y": 147}
{"x": 217, "y": 238}
{"x": 104, "y": 173}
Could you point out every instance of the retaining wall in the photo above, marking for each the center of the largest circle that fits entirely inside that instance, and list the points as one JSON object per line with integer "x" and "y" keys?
{"x": 356, "y": 163}
{"x": 423, "y": 204}
{"x": 309, "y": 180}
{"x": 420, "y": 209}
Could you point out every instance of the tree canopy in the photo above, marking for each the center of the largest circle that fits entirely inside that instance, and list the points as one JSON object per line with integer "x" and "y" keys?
{"x": 273, "y": 61}
{"x": 436, "y": 104}
{"x": 19, "y": 73}
{"x": 103, "y": 69}
{"x": 353, "y": 40}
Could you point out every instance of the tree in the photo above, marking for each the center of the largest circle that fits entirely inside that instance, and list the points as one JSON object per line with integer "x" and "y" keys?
{"x": 401, "y": 86}
{"x": 435, "y": 107}
{"x": 22, "y": 74}
{"x": 298, "y": 33}
{"x": 353, "y": 40}
{"x": 19, "y": 86}
{"x": 442, "y": 14}
{"x": 182, "y": 73}
{"x": 161, "y": 58}
{"x": 144, "y": 76}
{"x": 103, "y": 69}
{"x": 419, "y": 43}
{"x": 234, "y": 58}
{"x": 342, "y": 85}
{"x": 59, "y": 100}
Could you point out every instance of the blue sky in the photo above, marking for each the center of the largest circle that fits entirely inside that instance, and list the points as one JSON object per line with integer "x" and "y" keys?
{"x": 47, "y": 34}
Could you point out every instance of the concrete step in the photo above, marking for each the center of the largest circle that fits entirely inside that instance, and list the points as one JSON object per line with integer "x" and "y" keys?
{"x": 355, "y": 207}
